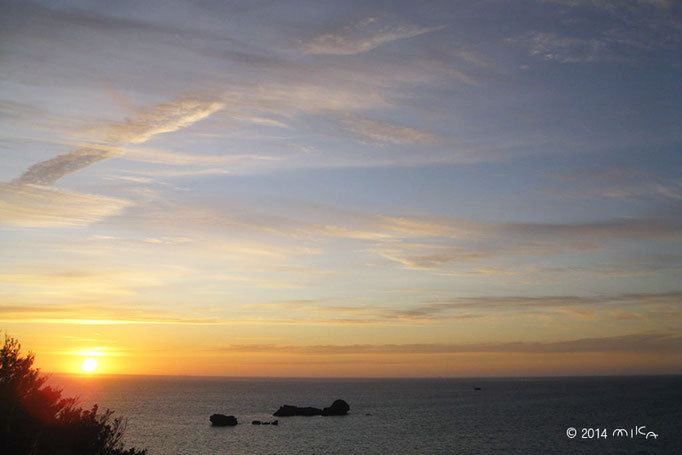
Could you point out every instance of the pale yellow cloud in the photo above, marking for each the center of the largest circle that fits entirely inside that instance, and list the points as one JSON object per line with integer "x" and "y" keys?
{"x": 429, "y": 226}
{"x": 39, "y": 206}
{"x": 72, "y": 283}
{"x": 163, "y": 118}
{"x": 388, "y": 133}
{"x": 305, "y": 96}
{"x": 150, "y": 155}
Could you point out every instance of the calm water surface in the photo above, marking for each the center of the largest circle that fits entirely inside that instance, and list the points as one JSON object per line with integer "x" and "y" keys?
{"x": 169, "y": 415}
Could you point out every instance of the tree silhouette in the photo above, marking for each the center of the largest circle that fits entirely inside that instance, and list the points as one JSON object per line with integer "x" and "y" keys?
{"x": 36, "y": 420}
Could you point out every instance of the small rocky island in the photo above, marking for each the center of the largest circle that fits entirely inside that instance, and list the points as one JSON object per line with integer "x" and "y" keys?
{"x": 258, "y": 422}
{"x": 221, "y": 420}
{"x": 338, "y": 408}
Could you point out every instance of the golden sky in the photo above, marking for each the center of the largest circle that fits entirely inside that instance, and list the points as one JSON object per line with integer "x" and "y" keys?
{"x": 359, "y": 189}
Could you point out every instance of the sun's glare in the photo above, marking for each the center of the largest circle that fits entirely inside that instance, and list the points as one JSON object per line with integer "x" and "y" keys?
{"x": 89, "y": 365}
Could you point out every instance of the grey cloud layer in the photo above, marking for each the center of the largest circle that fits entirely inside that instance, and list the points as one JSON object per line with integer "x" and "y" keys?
{"x": 648, "y": 342}
{"x": 462, "y": 308}
{"x": 50, "y": 171}
{"x": 529, "y": 239}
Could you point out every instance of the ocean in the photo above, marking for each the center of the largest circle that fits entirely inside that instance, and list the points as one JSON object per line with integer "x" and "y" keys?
{"x": 170, "y": 415}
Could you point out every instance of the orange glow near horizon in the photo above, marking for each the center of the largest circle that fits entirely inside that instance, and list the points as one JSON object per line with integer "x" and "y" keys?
{"x": 209, "y": 351}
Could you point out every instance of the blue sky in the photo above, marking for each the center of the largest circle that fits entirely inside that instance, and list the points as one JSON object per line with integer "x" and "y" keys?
{"x": 451, "y": 175}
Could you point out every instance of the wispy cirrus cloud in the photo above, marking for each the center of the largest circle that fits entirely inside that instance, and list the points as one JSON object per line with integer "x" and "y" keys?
{"x": 50, "y": 171}
{"x": 617, "y": 182}
{"x": 609, "y": 4}
{"x": 550, "y": 46}
{"x": 624, "y": 32}
{"x": 616, "y": 306}
{"x": 163, "y": 118}
{"x": 28, "y": 200}
{"x": 387, "y": 133}
{"x": 487, "y": 241}
{"x": 505, "y": 303}
{"x": 304, "y": 96}
{"x": 101, "y": 315}
{"x": 361, "y": 36}
{"x": 337, "y": 312}
{"x": 36, "y": 206}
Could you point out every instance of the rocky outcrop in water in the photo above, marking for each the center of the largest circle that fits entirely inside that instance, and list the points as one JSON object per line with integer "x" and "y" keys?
{"x": 220, "y": 420}
{"x": 290, "y": 411}
{"x": 338, "y": 408}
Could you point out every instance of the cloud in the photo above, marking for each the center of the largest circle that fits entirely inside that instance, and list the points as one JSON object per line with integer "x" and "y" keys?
{"x": 28, "y": 201}
{"x": 50, "y": 171}
{"x": 428, "y": 257}
{"x": 387, "y": 133}
{"x": 617, "y": 182}
{"x": 486, "y": 241}
{"x": 163, "y": 118}
{"x": 362, "y": 36}
{"x": 355, "y": 225}
{"x": 428, "y": 226}
{"x": 621, "y": 31}
{"x": 550, "y": 46}
{"x": 308, "y": 96}
{"x": 587, "y": 234}
{"x": 436, "y": 244}
{"x": 646, "y": 342}
{"x": 529, "y": 302}
{"x": 37, "y": 206}
{"x": 100, "y": 315}
{"x": 478, "y": 307}
{"x": 609, "y": 4}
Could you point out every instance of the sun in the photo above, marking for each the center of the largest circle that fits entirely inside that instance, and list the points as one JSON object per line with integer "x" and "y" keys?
{"x": 89, "y": 365}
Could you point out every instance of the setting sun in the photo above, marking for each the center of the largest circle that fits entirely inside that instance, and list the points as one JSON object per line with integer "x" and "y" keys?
{"x": 89, "y": 365}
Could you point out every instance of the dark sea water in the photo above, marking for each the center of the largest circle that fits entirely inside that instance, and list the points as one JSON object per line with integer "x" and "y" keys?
{"x": 170, "y": 415}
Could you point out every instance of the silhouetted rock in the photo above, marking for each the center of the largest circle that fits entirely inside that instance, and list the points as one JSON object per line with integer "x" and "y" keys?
{"x": 258, "y": 422}
{"x": 338, "y": 408}
{"x": 220, "y": 420}
{"x": 289, "y": 411}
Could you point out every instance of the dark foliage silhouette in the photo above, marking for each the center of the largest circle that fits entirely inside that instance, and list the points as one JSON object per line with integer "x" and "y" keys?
{"x": 36, "y": 420}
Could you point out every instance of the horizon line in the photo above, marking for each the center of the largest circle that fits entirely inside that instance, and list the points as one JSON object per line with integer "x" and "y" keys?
{"x": 576, "y": 376}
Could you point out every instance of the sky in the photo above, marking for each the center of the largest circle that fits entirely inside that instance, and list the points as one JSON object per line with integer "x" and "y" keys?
{"x": 343, "y": 189}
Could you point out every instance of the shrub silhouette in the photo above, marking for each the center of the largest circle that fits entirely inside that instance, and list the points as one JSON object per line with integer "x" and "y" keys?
{"x": 36, "y": 420}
